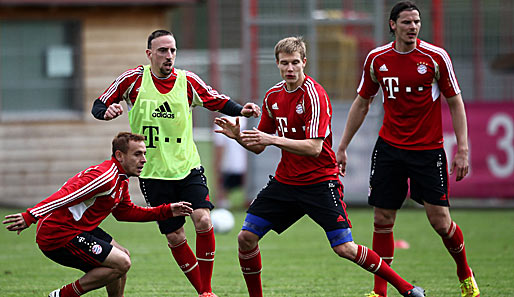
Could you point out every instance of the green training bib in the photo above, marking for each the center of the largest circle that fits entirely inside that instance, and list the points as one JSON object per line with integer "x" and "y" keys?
{"x": 166, "y": 120}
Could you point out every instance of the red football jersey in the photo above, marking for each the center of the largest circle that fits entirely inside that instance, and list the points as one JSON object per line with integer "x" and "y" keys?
{"x": 84, "y": 201}
{"x": 126, "y": 88}
{"x": 412, "y": 83}
{"x": 304, "y": 113}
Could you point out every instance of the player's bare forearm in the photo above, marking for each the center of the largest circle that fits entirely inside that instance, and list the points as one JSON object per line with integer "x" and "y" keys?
{"x": 459, "y": 121}
{"x": 460, "y": 162}
{"x": 304, "y": 147}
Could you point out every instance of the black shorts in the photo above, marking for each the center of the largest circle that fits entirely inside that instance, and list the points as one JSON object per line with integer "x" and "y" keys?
{"x": 392, "y": 167}
{"x": 232, "y": 180}
{"x": 85, "y": 251}
{"x": 193, "y": 189}
{"x": 283, "y": 205}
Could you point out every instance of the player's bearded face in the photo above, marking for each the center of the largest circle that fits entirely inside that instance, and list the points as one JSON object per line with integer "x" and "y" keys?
{"x": 134, "y": 160}
{"x": 291, "y": 68}
{"x": 162, "y": 55}
{"x": 407, "y": 26}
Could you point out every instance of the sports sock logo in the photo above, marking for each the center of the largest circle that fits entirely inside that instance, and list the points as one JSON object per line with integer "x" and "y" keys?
{"x": 163, "y": 111}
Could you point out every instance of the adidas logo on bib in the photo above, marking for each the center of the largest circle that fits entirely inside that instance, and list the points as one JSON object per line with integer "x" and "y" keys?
{"x": 163, "y": 111}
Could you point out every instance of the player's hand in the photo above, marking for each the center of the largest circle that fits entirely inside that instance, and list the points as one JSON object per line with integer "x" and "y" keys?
{"x": 251, "y": 109}
{"x": 113, "y": 111}
{"x": 460, "y": 165}
{"x": 16, "y": 221}
{"x": 181, "y": 208}
{"x": 256, "y": 137}
{"x": 341, "y": 158}
{"x": 231, "y": 130}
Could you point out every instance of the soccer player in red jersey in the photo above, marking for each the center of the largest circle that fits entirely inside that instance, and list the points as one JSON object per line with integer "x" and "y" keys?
{"x": 306, "y": 181}
{"x": 160, "y": 99}
{"x": 412, "y": 75}
{"x": 68, "y": 220}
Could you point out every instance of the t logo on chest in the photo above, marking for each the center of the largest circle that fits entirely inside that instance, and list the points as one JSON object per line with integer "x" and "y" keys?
{"x": 391, "y": 86}
{"x": 282, "y": 125}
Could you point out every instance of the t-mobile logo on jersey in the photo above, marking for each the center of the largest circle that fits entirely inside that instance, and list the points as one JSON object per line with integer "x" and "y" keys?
{"x": 152, "y": 137}
{"x": 390, "y": 87}
{"x": 145, "y": 109}
{"x": 282, "y": 125}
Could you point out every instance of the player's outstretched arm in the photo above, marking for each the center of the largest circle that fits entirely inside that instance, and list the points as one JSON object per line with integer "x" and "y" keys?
{"x": 16, "y": 221}
{"x": 304, "y": 147}
{"x": 181, "y": 208}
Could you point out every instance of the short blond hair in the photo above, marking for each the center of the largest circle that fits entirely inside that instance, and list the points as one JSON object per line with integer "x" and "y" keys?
{"x": 289, "y": 45}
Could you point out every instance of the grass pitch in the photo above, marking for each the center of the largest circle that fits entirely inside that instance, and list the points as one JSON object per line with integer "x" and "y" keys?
{"x": 297, "y": 263}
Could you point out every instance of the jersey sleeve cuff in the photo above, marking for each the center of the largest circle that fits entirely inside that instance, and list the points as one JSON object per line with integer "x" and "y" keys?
{"x": 29, "y": 219}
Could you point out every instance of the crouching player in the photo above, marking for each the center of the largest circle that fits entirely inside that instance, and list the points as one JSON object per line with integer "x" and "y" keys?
{"x": 68, "y": 231}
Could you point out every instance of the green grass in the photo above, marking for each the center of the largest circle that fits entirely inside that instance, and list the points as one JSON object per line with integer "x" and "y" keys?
{"x": 296, "y": 263}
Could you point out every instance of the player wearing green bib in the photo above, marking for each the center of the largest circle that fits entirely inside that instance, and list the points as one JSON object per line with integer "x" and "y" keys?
{"x": 160, "y": 99}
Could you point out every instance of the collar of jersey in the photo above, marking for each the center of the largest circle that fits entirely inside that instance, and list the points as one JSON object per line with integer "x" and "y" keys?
{"x": 121, "y": 171}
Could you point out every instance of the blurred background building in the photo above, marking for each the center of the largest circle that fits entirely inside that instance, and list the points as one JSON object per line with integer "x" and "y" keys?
{"x": 57, "y": 57}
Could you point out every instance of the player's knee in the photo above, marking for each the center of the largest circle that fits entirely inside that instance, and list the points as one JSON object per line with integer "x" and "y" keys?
{"x": 124, "y": 250}
{"x": 177, "y": 237}
{"x": 347, "y": 250}
{"x": 123, "y": 265}
{"x": 440, "y": 227}
{"x": 204, "y": 222}
{"x": 202, "y": 219}
{"x": 440, "y": 223}
{"x": 247, "y": 240}
{"x": 384, "y": 217}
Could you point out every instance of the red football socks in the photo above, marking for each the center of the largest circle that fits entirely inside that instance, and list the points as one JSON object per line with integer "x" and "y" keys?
{"x": 205, "y": 249}
{"x": 454, "y": 242}
{"x": 186, "y": 260}
{"x": 72, "y": 290}
{"x": 383, "y": 245}
{"x": 371, "y": 261}
{"x": 251, "y": 267}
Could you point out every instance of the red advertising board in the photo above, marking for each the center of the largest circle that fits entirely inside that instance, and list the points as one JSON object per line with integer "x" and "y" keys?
{"x": 491, "y": 151}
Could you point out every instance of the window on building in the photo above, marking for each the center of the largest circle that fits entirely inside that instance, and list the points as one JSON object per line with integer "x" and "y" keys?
{"x": 39, "y": 75}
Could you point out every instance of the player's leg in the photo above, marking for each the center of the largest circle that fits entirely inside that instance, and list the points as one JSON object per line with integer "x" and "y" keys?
{"x": 101, "y": 262}
{"x": 274, "y": 208}
{"x": 117, "y": 287}
{"x": 250, "y": 261}
{"x": 429, "y": 183}
{"x": 453, "y": 239}
{"x": 388, "y": 189}
{"x": 383, "y": 243}
{"x": 194, "y": 189}
{"x": 157, "y": 192}
{"x": 329, "y": 211}
{"x": 372, "y": 262}
{"x": 115, "y": 266}
{"x": 205, "y": 245}
{"x": 185, "y": 258}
